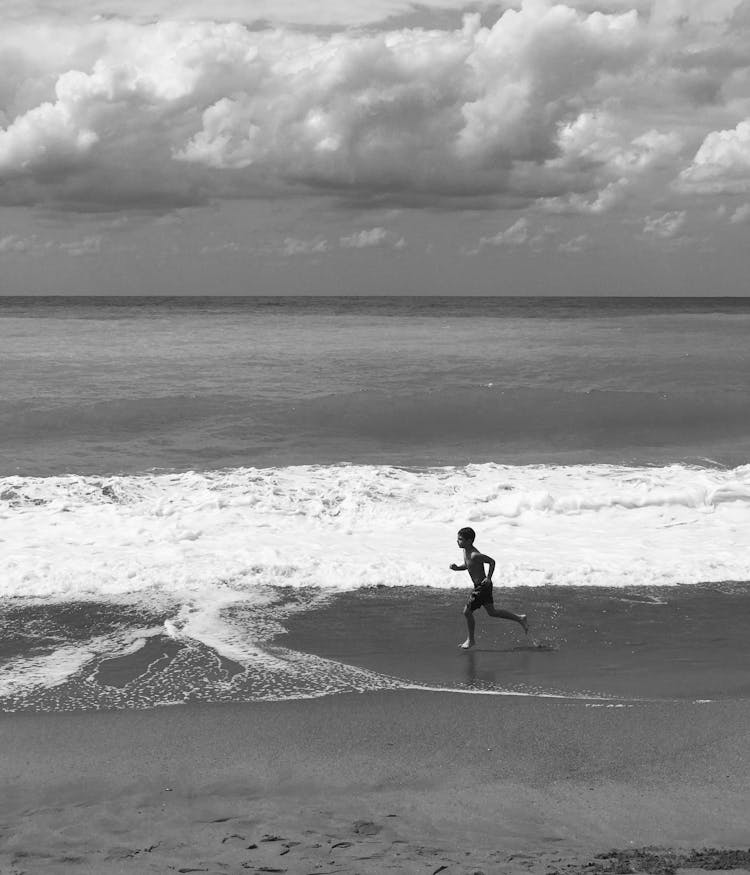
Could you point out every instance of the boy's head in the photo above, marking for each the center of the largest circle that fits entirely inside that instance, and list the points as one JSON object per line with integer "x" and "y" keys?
{"x": 467, "y": 535}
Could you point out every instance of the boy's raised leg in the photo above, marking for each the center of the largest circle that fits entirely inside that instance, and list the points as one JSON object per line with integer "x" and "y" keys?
{"x": 508, "y": 615}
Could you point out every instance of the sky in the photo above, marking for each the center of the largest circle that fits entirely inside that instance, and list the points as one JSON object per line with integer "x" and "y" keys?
{"x": 596, "y": 147}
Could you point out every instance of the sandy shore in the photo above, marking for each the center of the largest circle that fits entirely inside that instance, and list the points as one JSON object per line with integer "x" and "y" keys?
{"x": 397, "y": 781}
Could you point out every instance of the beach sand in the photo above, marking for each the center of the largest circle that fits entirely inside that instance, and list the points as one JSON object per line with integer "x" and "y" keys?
{"x": 397, "y": 781}
{"x": 413, "y": 780}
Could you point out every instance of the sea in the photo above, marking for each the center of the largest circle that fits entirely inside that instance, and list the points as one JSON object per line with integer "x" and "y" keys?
{"x": 184, "y": 482}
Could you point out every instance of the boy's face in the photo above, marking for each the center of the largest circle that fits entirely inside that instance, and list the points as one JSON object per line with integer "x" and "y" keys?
{"x": 462, "y": 541}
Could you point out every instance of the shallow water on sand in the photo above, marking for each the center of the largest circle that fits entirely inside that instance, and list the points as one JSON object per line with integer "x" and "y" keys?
{"x": 600, "y": 646}
{"x": 636, "y": 643}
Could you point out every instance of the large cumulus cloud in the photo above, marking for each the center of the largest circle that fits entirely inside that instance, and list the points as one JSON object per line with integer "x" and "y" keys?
{"x": 572, "y": 107}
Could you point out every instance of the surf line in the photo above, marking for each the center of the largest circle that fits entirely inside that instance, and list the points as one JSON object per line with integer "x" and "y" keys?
{"x": 591, "y": 700}
{"x": 569, "y": 697}
{"x": 365, "y": 680}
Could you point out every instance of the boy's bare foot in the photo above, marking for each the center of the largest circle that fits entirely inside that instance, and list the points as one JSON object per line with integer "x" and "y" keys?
{"x": 467, "y": 644}
{"x": 524, "y": 623}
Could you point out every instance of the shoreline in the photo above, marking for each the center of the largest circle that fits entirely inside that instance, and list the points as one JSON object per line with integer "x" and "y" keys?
{"x": 626, "y": 645}
{"x": 398, "y": 780}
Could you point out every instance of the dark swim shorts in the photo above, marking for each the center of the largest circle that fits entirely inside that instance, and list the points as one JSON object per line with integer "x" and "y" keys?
{"x": 481, "y": 596}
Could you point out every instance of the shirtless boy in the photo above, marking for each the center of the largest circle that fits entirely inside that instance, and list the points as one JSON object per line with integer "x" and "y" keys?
{"x": 474, "y": 563}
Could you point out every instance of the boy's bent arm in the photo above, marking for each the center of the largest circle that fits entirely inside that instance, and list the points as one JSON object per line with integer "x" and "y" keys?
{"x": 488, "y": 560}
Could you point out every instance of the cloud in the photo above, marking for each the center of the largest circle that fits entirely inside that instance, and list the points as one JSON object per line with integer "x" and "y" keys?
{"x": 721, "y": 164}
{"x": 594, "y": 205}
{"x": 599, "y": 145}
{"x": 45, "y": 137}
{"x": 365, "y": 239}
{"x": 598, "y": 138}
{"x": 576, "y": 245}
{"x": 665, "y": 227}
{"x": 216, "y": 248}
{"x": 519, "y": 234}
{"x": 372, "y": 237}
{"x": 156, "y": 107}
{"x": 90, "y": 245}
{"x": 516, "y": 235}
{"x": 741, "y": 215}
{"x": 293, "y": 246}
{"x": 14, "y": 243}
{"x": 332, "y": 13}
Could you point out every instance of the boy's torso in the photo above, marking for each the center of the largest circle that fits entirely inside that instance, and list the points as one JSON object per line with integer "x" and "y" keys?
{"x": 474, "y": 566}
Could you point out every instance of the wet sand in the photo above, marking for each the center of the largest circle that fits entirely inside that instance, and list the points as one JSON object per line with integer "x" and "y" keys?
{"x": 403, "y": 781}
{"x": 662, "y": 643}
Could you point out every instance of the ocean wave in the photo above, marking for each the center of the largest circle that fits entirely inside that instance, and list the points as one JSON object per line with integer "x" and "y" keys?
{"x": 344, "y": 527}
{"x": 491, "y": 418}
{"x": 53, "y": 418}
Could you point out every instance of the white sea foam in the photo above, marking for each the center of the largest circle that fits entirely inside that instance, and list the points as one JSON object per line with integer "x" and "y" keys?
{"x": 55, "y": 667}
{"x": 345, "y": 527}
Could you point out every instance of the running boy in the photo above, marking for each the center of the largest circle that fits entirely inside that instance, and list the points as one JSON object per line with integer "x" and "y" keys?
{"x": 474, "y": 563}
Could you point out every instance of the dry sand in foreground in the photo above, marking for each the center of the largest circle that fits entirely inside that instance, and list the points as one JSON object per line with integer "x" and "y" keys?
{"x": 405, "y": 781}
